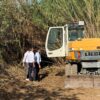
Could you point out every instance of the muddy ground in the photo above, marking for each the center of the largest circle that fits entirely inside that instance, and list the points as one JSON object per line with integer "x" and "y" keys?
{"x": 13, "y": 86}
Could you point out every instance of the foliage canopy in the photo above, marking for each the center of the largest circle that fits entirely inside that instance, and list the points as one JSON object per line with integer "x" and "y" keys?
{"x": 29, "y": 22}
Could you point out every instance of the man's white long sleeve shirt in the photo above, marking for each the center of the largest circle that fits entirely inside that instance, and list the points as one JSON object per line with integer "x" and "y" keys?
{"x": 28, "y": 57}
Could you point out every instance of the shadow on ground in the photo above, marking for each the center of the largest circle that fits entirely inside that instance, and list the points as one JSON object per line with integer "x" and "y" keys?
{"x": 18, "y": 90}
{"x": 14, "y": 88}
{"x": 34, "y": 93}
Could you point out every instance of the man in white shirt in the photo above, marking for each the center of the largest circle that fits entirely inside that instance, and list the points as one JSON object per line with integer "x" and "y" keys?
{"x": 29, "y": 59}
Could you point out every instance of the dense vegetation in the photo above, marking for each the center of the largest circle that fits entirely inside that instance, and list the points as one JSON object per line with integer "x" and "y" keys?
{"x": 22, "y": 22}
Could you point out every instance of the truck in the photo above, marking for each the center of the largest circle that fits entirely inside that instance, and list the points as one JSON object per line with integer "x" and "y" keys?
{"x": 82, "y": 54}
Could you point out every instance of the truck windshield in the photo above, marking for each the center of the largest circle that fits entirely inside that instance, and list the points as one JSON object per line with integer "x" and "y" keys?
{"x": 55, "y": 39}
{"x": 75, "y": 34}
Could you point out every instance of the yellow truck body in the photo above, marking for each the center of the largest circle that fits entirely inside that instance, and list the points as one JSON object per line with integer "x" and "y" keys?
{"x": 86, "y": 44}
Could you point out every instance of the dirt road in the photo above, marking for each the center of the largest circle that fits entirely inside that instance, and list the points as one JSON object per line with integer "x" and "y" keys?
{"x": 51, "y": 87}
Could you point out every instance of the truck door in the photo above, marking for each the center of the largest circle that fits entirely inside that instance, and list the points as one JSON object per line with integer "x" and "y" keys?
{"x": 55, "y": 42}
